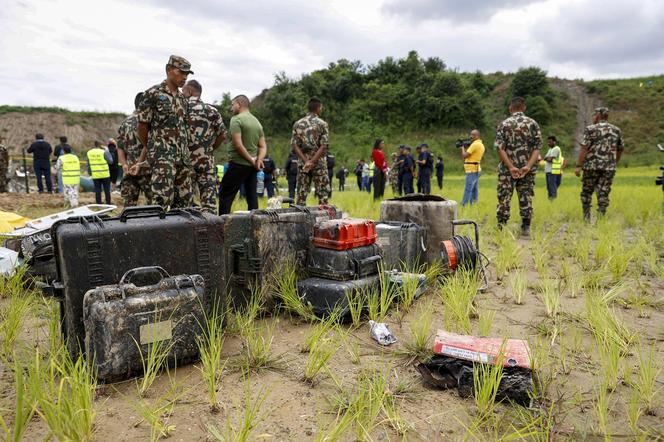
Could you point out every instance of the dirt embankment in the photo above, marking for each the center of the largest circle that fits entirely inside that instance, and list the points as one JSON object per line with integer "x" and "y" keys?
{"x": 584, "y": 102}
{"x": 19, "y": 129}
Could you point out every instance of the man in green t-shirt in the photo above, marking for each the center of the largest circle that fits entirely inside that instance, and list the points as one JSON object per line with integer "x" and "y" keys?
{"x": 248, "y": 148}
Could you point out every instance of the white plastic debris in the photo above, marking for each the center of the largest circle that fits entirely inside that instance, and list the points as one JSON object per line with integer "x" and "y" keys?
{"x": 8, "y": 261}
{"x": 381, "y": 332}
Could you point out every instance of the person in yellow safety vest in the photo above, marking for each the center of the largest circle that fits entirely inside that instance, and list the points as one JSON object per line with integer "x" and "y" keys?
{"x": 553, "y": 167}
{"x": 69, "y": 168}
{"x": 372, "y": 166}
{"x": 98, "y": 161}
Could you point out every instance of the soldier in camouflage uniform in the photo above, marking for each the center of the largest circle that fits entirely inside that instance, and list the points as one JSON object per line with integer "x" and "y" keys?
{"x": 310, "y": 141}
{"x": 206, "y": 133}
{"x": 601, "y": 149}
{"x": 518, "y": 140}
{"x": 129, "y": 151}
{"x": 4, "y": 166}
{"x": 163, "y": 131}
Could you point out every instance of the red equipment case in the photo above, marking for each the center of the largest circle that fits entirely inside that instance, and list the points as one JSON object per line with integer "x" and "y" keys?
{"x": 344, "y": 234}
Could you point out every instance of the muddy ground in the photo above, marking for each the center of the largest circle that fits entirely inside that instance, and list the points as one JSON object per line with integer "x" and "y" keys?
{"x": 294, "y": 410}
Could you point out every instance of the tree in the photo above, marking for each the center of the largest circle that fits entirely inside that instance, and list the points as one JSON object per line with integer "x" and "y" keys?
{"x": 530, "y": 82}
{"x": 539, "y": 109}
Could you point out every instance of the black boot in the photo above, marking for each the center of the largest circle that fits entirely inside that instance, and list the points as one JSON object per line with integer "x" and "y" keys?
{"x": 525, "y": 228}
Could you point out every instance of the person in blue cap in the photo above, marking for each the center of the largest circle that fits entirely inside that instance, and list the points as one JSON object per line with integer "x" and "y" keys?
{"x": 406, "y": 171}
{"x": 425, "y": 163}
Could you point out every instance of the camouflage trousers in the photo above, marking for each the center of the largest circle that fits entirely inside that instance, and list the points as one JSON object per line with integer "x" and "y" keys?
{"x": 393, "y": 179}
{"x": 320, "y": 179}
{"x": 3, "y": 180}
{"x": 204, "y": 179}
{"x": 525, "y": 189}
{"x": 171, "y": 184}
{"x": 599, "y": 181}
{"x": 132, "y": 186}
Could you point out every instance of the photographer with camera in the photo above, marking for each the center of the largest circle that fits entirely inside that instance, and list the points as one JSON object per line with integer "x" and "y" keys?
{"x": 472, "y": 151}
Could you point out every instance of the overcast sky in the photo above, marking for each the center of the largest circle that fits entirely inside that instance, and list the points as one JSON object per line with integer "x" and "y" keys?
{"x": 95, "y": 55}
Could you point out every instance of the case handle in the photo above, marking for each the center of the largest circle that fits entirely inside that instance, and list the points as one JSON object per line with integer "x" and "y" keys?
{"x": 462, "y": 222}
{"x": 144, "y": 271}
{"x": 141, "y": 210}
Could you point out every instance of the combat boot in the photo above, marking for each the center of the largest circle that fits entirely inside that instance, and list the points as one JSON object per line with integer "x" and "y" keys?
{"x": 586, "y": 214}
{"x": 525, "y": 228}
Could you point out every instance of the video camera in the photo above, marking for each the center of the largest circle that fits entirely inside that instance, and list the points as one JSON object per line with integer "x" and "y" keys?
{"x": 462, "y": 143}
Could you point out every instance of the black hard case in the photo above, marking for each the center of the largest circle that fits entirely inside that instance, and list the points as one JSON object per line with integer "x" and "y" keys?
{"x": 259, "y": 242}
{"x": 325, "y": 294}
{"x": 343, "y": 265}
{"x": 119, "y": 319}
{"x": 402, "y": 243}
{"x": 91, "y": 252}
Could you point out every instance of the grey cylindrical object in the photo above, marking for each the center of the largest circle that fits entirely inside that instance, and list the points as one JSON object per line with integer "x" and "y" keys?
{"x": 432, "y": 212}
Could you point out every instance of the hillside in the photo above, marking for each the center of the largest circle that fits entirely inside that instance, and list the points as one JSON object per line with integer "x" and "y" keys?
{"x": 19, "y": 125}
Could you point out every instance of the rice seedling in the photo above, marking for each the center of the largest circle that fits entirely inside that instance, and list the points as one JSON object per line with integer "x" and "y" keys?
{"x": 563, "y": 355}
{"x": 540, "y": 260}
{"x": 336, "y": 429}
{"x": 379, "y": 301}
{"x": 634, "y": 410}
{"x": 319, "y": 355}
{"x": 24, "y": 407}
{"x": 508, "y": 256}
{"x": 458, "y": 295}
{"x": 157, "y": 413}
{"x": 550, "y": 296}
{"x": 11, "y": 319}
{"x": 609, "y": 351}
{"x": 11, "y": 285}
{"x": 618, "y": 264}
{"x": 605, "y": 325}
{"x": 244, "y": 317}
{"x": 602, "y": 405}
{"x": 257, "y": 348}
{"x": 646, "y": 379}
{"x": 485, "y": 322}
{"x": 581, "y": 251}
{"x": 486, "y": 381}
{"x": 356, "y": 301}
{"x": 285, "y": 282}
{"x": 245, "y": 422}
{"x": 420, "y": 329}
{"x": 409, "y": 291}
{"x": 518, "y": 284}
{"x": 321, "y": 329}
{"x": 153, "y": 361}
{"x": 64, "y": 393}
{"x": 209, "y": 346}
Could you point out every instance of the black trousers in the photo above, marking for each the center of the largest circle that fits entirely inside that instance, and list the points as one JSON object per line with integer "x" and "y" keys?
{"x": 359, "y": 181}
{"x": 43, "y": 168}
{"x": 440, "y": 181}
{"x": 379, "y": 183}
{"x": 104, "y": 183}
{"x": 235, "y": 176}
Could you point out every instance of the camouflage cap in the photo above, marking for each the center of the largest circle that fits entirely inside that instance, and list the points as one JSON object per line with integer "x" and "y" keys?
{"x": 602, "y": 111}
{"x": 180, "y": 63}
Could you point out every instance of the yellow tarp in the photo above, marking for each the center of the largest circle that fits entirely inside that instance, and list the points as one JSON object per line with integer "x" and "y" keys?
{"x": 10, "y": 221}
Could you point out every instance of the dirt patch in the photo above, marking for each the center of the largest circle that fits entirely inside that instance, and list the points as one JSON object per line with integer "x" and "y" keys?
{"x": 584, "y": 102}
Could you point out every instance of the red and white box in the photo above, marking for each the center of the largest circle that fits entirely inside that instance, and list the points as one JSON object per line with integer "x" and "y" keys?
{"x": 515, "y": 352}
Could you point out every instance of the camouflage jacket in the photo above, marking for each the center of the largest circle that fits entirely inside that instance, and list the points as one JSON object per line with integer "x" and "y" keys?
{"x": 602, "y": 140}
{"x": 518, "y": 135}
{"x": 128, "y": 139}
{"x": 309, "y": 133}
{"x": 4, "y": 158}
{"x": 205, "y": 125}
{"x": 166, "y": 113}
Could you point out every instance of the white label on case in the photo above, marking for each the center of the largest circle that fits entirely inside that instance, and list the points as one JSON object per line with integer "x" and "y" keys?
{"x": 156, "y": 331}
